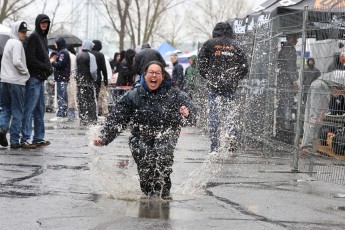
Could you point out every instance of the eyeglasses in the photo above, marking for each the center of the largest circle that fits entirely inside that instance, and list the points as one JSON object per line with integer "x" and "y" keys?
{"x": 152, "y": 73}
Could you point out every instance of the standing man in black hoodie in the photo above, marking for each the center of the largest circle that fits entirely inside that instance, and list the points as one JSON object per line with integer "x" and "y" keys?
{"x": 102, "y": 75}
{"x": 62, "y": 72}
{"x": 38, "y": 62}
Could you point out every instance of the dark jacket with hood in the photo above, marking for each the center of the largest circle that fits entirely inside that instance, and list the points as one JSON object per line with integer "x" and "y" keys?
{"x": 126, "y": 69}
{"x": 191, "y": 74}
{"x": 310, "y": 74}
{"x": 37, "y": 54}
{"x": 177, "y": 75}
{"x": 62, "y": 65}
{"x": 153, "y": 114}
{"x": 101, "y": 67}
{"x": 221, "y": 60}
{"x": 145, "y": 56}
{"x": 84, "y": 76}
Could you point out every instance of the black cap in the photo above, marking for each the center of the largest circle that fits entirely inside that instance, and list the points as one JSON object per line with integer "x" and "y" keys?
{"x": 45, "y": 20}
{"x": 23, "y": 27}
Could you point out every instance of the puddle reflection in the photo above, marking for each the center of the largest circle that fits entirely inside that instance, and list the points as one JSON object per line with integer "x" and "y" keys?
{"x": 154, "y": 209}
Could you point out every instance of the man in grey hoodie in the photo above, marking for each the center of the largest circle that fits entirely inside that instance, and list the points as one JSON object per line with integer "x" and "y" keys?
{"x": 14, "y": 74}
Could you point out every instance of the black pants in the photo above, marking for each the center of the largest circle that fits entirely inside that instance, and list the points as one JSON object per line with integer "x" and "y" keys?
{"x": 154, "y": 158}
{"x": 87, "y": 105}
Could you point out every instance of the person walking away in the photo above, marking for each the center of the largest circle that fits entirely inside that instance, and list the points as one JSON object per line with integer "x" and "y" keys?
{"x": 86, "y": 84}
{"x": 191, "y": 75}
{"x": 62, "y": 72}
{"x": 156, "y": 112}
{"x": 286, "y": 84}
{"x": 177, "y": 72}
{"x": 145, "y": 56}
{"x": 14, "y": 74}
{"x": 39, "y": 68}
{"x": 72, "y": 85}
{"x": 223, "y": 63}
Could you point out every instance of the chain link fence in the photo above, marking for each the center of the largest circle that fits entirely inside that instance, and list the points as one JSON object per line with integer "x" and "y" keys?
{"x": 301, "y": 120}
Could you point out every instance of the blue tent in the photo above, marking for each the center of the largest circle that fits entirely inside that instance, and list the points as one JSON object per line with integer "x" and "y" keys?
{"x": 164, "y": 48}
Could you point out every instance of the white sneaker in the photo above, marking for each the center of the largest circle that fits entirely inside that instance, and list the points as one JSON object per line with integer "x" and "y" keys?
{"x": 58, "y": 119}
{"x": 213, "y": 154}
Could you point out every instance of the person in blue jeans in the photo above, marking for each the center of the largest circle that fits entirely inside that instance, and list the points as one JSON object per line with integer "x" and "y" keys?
{"x": 221, "y": 107}
{"x": 62, "y": 71}
{"x": 39, "y": 68}
{"x": 222, "y": 62}
{"x": 14, "y": 74}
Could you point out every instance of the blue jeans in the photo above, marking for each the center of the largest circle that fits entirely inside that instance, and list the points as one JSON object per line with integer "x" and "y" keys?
{"x": 62, "y": 99}
{"x": 12, "y": 104}
{"x": 34, "y": 109}
{"x": 220, "y": 108}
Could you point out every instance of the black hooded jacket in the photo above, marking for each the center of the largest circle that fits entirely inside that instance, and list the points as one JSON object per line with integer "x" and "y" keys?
{"x": 145, "y": 56}
{"x": 221, "y": 60}
{"x": 37, "y": 54}
{"x": 101, "y": 67}
{"x": 126, "y": 69}
{"x": 62, "y": 65}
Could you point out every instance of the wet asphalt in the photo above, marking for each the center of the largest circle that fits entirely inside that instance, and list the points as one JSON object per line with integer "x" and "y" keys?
{"x": 71, "y": 184}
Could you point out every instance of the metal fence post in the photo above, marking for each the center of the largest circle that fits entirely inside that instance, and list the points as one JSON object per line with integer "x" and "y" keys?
{"x": 300, "y": 91}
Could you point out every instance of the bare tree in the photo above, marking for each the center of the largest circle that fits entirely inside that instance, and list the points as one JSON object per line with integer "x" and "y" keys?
{"x": 10, "y": 8}
{"x": 211, "y": 12}
{"x": 145, "y": 18}
{"x": 174, "y": 29}
{"x": 54, "y": 12}
{"x": 117, "y": 12}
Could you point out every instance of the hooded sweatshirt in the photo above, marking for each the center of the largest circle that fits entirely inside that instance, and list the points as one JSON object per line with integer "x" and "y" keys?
{"x": 86, "y": 65}
{"x": 102, "y": 74}
{"x": 13, "y": 65}
{"x": 62, "y": 65}
{"x": 37, "y": 55}
{"x": 191, "y": 73}
{"x": 221, "y": 60}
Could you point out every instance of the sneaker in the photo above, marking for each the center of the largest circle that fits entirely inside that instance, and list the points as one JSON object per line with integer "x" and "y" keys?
{"x": 3, "y": 139}
{"x": 233, "y": 143}
{"x": 59, "y": 119}
{"x": 27, "y": 145}
{"x": 213, "y": 154}
{"x": 16, "y": 146}
{"x": 167, "y": 198}
{"x": 42, "y": 143}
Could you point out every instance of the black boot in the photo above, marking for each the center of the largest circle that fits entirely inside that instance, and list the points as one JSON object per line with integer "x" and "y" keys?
{"x": 3, "y": 139}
